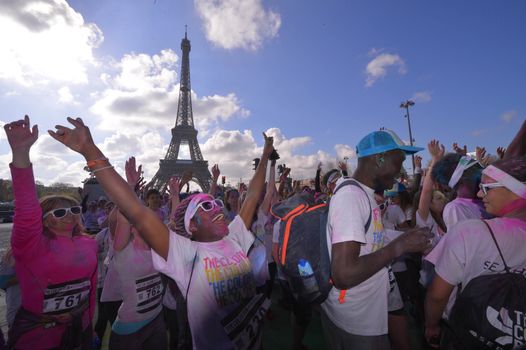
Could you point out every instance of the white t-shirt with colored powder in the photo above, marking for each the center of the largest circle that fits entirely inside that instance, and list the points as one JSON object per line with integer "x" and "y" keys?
{"x": 393, "y": 216}
{"x": 461, "y": 209}
{"x": 365, "y": 309}
{"x": 469, "y": 251}
{"x": 222, "y": 287}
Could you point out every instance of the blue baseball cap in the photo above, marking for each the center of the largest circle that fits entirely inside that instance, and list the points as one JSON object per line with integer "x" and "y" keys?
{"x": 397, "y": 188}
{"x": 382, "y": 141}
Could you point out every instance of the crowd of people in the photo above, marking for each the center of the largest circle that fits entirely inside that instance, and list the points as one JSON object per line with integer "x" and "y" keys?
{"x": 204, "y": 266}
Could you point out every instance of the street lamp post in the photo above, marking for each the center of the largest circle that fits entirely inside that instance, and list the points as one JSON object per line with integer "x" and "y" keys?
{"x": 406, "y": 105}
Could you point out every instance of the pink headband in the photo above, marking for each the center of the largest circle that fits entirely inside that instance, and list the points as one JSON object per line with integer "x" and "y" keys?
{"x": 506, "y": 180}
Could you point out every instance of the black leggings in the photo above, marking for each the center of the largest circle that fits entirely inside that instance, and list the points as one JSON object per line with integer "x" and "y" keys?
{"x": 107, "y": 312}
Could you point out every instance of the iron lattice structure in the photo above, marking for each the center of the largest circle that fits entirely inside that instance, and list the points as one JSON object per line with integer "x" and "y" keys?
{"x": 184, "y": 133}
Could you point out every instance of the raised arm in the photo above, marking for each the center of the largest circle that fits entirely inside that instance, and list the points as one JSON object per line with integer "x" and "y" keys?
{"x": 271, "y": 188}
{"x": 151, "y": 228}
{"x": 417, "y": 178}
{"x": 215, "y": 175}
{"x": 317, "y": 179}
{"x": 256, "y": 184}
{"x": 174, "y": 186}
{"x": 27, "y": 225}
{"x": 437, "y": 151}
{"x": 121, "y": 231}
{"x": 21, "y": 137}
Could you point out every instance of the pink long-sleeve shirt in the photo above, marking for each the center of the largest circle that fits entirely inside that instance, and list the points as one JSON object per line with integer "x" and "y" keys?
{"x": 54, "y": 274}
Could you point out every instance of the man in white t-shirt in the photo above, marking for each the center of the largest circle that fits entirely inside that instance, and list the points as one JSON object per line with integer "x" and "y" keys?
{"x": 355, "y": 313}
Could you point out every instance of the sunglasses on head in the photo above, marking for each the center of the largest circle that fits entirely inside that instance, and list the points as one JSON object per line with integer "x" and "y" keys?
{"x": 61, "y": 212}
{"x": 210, "y": 204}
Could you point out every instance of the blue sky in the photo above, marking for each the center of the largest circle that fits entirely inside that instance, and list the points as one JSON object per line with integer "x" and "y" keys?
{"x": 316, "y": 75}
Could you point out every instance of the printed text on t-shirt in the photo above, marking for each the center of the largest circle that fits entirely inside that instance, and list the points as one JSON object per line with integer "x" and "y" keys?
{"x": 230, "y": 278}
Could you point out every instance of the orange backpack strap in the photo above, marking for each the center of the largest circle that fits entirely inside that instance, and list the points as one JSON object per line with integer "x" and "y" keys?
{"x": 341, "y": 297}
{"x": 289, "y": 218}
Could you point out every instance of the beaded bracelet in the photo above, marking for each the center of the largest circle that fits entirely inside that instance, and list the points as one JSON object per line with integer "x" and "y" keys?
{"x": 92, "y": 172}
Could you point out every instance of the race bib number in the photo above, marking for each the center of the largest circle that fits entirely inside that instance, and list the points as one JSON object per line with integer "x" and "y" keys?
{"x": 149, "y": 293}
{"x": 63, "y": 297}
{"x": 243, "y": 325}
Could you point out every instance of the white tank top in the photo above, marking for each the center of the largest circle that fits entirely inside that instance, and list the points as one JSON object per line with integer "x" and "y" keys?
{"x": 140, "y": 284}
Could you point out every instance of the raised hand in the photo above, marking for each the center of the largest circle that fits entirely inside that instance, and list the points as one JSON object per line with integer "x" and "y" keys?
{"x": 20, "y": 135}
{"x": 133, "y": 173}
{"x": 480, "y": 153}
{"x": 461, "y": 151}
{"x": 342, "y": 165}
{"x": 187, "y": 176}
{"x": 269, "y": 145}
{"x": 242, "y": 187}
{"x": 418, "y": 162}
{"x": 174, "y": 186}
{"x": 501, "y": 151}
{"x": 436, "y": 150}
{"x": 77, "y": 139}
{"x": 319, "y": 166}
{"x": 215, "y": 172}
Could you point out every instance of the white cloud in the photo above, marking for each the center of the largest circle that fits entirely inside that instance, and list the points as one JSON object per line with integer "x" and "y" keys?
{"x": 11, "y": 93}
{"x": 65, "y": 96}
{"x": 421, "y": 96}
{"x": 2, "y": 132}
{"x": 148, "y": 149}
{"x": 47, "y": 41}
{"x": 210, "y": 110}
{"x": 234, "y": 151}
{"x": 345, "y": 151}
{"x": 232, "y": 24}
{"x": 375, "y": 52}
{"x": 143, "y": 95}
{"x": 508, "y": 116}
{"x": 478, "y": 132}
{"x": 377, "y": 67}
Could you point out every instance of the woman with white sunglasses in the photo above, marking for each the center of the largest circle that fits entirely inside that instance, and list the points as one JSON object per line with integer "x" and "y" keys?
{"x": 211, "y": 268}
{"x": 469, "y": 250}
{"x": 56, "y": 264}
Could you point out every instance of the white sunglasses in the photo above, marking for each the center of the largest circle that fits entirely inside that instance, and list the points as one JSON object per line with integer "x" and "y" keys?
{"x": 486, "y": 187}
{"x": 61, "y": 212}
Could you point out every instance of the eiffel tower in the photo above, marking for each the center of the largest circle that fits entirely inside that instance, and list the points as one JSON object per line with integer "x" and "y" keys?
{"x": 184, "y": 133}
